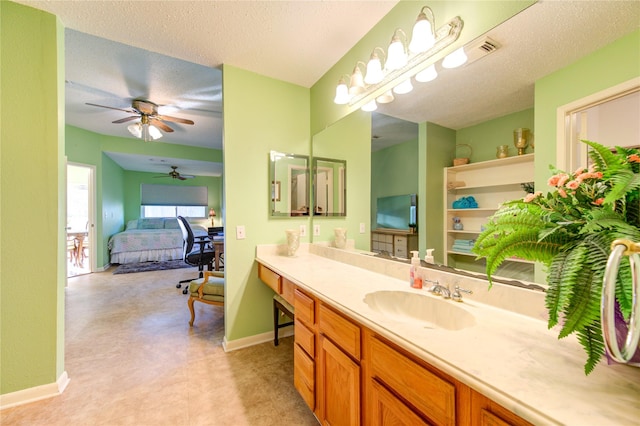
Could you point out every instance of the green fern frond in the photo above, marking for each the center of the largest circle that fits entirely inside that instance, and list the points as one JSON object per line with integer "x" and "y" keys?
{"x": 625, "y": 181}
{"x": 556, "y": 296}
{"x": 602, "y": 156}
{"x": 584, "y": 305}
{"x": 591, "y": 340}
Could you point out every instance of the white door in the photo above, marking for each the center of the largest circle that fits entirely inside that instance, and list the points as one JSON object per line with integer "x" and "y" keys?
{"x": 80, "y": 219}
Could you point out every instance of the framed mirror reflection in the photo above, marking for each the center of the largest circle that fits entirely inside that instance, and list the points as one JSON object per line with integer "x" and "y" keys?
{"x": 288, "y": 184}
{"x": 329, "y": 187}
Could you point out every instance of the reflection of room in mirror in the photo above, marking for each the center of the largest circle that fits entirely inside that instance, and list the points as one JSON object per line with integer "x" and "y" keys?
{"x": 329, "y": 187}
{"x": 289, "y": 187}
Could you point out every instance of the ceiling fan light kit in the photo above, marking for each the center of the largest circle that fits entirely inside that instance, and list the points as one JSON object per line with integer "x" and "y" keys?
{"x": 402, "y": 62}
{"x": 175, "y": 175}
{"x": 150, "y": 124}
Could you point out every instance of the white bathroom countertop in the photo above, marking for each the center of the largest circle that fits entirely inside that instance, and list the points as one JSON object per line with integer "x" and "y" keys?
{"x": 509, "y": 357}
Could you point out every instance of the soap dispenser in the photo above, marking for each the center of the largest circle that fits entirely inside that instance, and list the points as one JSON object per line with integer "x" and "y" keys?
{"x": 429, "y": 257}
{"x": 415, "y": 280}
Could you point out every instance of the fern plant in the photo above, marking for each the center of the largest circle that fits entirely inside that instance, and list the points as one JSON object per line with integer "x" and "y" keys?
{"x": 570, "y": 231}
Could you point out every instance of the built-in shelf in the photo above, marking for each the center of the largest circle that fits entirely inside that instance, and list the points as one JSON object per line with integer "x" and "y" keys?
{"x": 490, "y": 183}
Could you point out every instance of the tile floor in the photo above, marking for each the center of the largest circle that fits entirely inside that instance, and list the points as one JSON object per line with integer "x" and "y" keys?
{"x": 134, "y": 360}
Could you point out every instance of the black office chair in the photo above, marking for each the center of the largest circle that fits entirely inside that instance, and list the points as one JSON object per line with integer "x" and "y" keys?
{"x": 196, "y": 251}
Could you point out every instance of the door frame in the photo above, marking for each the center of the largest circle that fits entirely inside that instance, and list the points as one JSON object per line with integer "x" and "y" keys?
{"x": 91, "y": 212}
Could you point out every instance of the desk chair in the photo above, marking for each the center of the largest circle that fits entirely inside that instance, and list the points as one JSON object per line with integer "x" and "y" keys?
{"x": 209, "y": 289}
{"x": 195, "y": 251}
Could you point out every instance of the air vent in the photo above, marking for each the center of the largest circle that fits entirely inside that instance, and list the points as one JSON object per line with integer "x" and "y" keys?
{"x": 480, "y": 48}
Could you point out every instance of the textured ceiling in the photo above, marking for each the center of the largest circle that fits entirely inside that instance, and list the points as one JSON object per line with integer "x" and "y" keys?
{"x": 117, "y": 51}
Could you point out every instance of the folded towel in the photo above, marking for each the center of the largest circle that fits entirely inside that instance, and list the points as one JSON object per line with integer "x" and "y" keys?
{"x": 465, "y": 203}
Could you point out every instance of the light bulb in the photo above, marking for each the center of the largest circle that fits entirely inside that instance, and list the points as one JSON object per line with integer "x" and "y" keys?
{"x": 427, "y": 74}
{"x": 154, "y": 132}
{"x": 342, "y": 93}
{"x": 422, "y": 36}
{"x": 135, "y": 130}
{"x": 374, "y": 70}
{"x": 404, "y": 87}
{"x": 385, "y": 98}
{"x": 455, "y": 59}
{"x": 396, "y": 55}
{"x": 356, "y": 85}
{"x": 370, "y": 106}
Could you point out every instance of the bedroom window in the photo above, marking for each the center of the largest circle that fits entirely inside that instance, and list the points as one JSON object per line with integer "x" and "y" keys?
{"x": 174, "y": 211}
{"x": 173, "y": 200}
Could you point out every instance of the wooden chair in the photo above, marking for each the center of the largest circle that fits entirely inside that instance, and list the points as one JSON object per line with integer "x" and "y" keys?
{"x": 209, "y": 289}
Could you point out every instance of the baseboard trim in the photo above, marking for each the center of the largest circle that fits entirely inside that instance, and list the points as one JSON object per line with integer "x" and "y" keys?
{"x": 36, "y": 393}
{"x": 257, "y": 339}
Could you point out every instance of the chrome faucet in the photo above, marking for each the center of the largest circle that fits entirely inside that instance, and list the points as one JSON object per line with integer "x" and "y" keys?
{"x": 440, "y": 290}
{"x": 457, "y": 296}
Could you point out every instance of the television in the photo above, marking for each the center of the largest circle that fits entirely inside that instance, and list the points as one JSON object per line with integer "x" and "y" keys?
{"x": 396, "y": 211}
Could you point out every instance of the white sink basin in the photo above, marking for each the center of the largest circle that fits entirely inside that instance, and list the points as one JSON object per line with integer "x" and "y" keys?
{"x": 423, "y": 310}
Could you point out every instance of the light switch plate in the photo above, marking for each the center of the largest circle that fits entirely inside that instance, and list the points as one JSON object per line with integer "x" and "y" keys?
{"x": 316, "y": 230}
{"x": 362, "y": 229}
{"x": 240, "y": 232}
{"x": 303, "y": 230}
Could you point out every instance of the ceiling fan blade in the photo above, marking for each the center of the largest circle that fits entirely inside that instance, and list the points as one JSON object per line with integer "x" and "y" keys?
{"x": 183, "y": 177}
{"x": 124, "y": 120}
{"x": 174, "y": 119}
{"x": 162, "y": 176}
{"x": 159, "y": 124}
{"x": 117, "y": 109}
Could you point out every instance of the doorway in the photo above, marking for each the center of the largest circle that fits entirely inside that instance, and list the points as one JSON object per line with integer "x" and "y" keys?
{"x": 80, "y": 249}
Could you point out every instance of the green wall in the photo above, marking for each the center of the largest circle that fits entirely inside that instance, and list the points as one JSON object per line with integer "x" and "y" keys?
{"x": 260, "y": 114}
{"x": 484, "y": 138}
{"x": 32, "y": 210}
{"x": 394, "y": 171}
{"x": 349, "y": 139}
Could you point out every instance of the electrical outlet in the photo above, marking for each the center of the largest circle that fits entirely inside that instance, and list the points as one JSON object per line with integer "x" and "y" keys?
{"x": 240, "y": 232}
{"x": 362, "y": 229}
{"x": 316, "y": 230}
{"x": 303, "y": 230}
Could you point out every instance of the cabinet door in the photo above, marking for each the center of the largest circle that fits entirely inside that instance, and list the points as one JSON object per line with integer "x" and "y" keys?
{"x": 304, "y": 376}
{"x": 340, "y": 386}
{"x": 400, "y": 246}
{"x": 485, "y": 412}
{"x": 388, "y": 410}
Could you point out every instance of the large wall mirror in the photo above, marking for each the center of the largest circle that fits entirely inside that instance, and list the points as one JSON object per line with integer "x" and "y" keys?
{"x": 329, "y": 187}
{"x": 288, "y": 184}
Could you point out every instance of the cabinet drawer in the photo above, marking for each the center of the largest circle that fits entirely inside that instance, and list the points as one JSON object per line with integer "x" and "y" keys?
{"x": 430, "y": 394}
{"x": 305, "y": 338}
{"x": 304, "y": 376}
{"x": 305, "y": 307}
{"x": 386, "y": 409}
{"x": 400, "y": 240}
{"x": 340, "y": 330}
{"x": 401, "y": 251}
{"x": 270, "y": 278}
{"x": 287, "y": 290}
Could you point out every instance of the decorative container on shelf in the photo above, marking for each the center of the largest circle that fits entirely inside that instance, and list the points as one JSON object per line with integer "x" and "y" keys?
{"x": 463, "y": 153}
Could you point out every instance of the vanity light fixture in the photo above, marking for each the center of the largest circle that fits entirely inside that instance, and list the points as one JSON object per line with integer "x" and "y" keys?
{"x": 356, "y": 85}
{"x": 455, "y": 59}
{"x": 370, "y": 106}
{"x": 404, "y": 87}
{"x": 428, "y": 74}
{"x": 423, "y": 37}
{"x": 342, "y": 93}
{"x": 397, "y": 54}
{"x": 385, "y": 98}
{"x": 374, "y": 68}
{"x": 401, "y": 65}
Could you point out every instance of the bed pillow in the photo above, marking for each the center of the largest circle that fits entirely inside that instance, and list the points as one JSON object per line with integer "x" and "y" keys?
{"x": 171, "y": 223}
{"x": 132, "y": 224}
{"x": 151, "y": 223}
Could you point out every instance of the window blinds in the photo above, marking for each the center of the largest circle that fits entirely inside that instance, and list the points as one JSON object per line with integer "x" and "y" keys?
{"x": 173, "y": 195}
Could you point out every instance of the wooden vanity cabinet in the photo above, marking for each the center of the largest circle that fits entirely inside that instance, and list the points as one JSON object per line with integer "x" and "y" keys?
{"x": 485, "y": 412}
{"x": 279, "y": 284}
{"x": 304, "y": 348}
{"x": 339, "y": 368}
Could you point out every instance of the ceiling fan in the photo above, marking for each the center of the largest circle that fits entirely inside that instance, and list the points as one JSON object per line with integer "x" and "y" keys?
{"x": 150, "y": 121}
{"x": 175, "y": 175}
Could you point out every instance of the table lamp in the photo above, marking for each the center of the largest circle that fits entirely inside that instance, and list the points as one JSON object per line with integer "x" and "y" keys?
{"x": 212, "y": 214}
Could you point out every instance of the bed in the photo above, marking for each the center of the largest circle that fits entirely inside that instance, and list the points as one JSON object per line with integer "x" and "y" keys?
{"x": 149, "y": 239}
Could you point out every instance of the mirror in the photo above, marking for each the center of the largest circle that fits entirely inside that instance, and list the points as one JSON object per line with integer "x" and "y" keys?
{"x": 288, "y": 184}
{"x": 329, "y": 187}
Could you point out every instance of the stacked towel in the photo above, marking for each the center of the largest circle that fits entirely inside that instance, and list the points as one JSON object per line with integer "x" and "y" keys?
{"x": 464, "y": 246}
{"x": 465, "y": 203}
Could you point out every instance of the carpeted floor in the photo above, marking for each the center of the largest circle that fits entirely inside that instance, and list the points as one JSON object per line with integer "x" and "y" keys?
{"x": 129, "y": 268}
